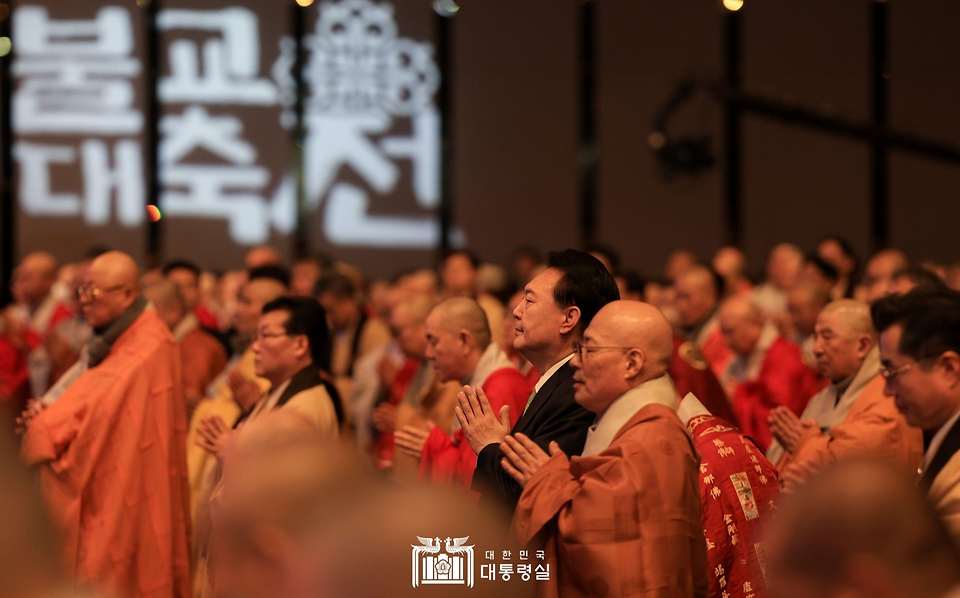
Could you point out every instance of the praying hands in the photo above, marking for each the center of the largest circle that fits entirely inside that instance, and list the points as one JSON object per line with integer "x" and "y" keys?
{"x": 787, "y": 427}
{"x": 480, "y": 424}
{"x": 524, "y": 457}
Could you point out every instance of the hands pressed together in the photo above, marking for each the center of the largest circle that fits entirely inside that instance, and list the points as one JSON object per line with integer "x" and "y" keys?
{"x": 481, "y": 426}
{"x": 411, "y": 439}
{"x": 214, "y": 435}
{"x": 787, "y": 427}
{"x": 246, "y": 392}
{"x": 34, "y": 407}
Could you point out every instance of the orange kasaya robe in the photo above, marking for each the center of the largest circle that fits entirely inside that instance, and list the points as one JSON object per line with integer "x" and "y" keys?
{"x": 873, "y": 428}
{"x": 625, "y": 522}
{"x": 203, "y": 359}
{"x": 113, "y": 469}
{"x": 739, "y": 489}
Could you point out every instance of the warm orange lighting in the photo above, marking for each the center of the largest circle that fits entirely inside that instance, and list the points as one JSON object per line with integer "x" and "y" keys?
{"x": 733, "y": 5}
{"x": 154, "y": 213}
{"x": 304, "y": 2}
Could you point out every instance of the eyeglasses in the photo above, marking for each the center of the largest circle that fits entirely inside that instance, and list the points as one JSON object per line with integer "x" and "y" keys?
{"x": 582, "y": 350}
{"x": 889, "y": 374}
{"x": 260, "y": 336}
{"x": 94, "y": 292}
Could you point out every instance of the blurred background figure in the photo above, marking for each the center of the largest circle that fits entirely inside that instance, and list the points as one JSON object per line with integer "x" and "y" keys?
{"x": 784, "y": 266}
{"x": 860, "y": 530}
{"x": 837, "y": 251}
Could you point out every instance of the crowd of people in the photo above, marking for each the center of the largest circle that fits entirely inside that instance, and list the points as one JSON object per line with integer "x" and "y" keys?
{"x": 292, "y": 429}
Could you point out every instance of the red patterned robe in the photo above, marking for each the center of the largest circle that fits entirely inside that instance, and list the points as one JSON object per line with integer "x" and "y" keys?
{"x": 738, "y": 492}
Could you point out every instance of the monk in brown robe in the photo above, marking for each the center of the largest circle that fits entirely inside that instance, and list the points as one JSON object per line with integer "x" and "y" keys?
{"x": 111, "y": 447}
{"x": 624, "y": 518}
{"x": 202, "y": 355}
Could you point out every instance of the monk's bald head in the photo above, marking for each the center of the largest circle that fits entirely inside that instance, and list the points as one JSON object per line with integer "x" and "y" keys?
{"x": 855, "y": 525}
{"x": 167, "y": 300}
{"x": 462, "y": 313}
{"x": 741, "y": 324}
{"x": 111, "y": 285}
{"x": 852, "y": 316}
{"x": 844, "y": 338}
{"x": 633, "y": 343}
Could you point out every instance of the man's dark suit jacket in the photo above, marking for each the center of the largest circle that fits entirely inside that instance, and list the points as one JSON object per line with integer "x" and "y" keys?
{"x": 553, "y": 415}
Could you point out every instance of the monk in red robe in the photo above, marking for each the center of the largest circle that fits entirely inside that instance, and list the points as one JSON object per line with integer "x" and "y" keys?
{"x": 460, "y": 345}
{"x": 739, "y": 490}
{"x": 623, "y": 519}
{"x": 202, "y": 355}
{"x": 691, "y": 373}
{"x": 111, "y": 447}
{"x": 768, "y": 371}
{"x": 699, "y": 290}
{"x": 14, "y": 383}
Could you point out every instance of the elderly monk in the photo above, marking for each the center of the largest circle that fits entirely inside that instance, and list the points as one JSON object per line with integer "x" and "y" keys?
{"x": 623, "y": 519}
{"x": 699, "y": 290}
{"x": 558, "y": 305}
{"x": 920, "y": 359}
{"x": 739, "y": 490}
{"x": 851, "y": 416}
{"x": 879, "y": 271}
{"x": 237, "y": 379}
{"x": 111, "y": 446}
{"x": 461, "y": 348}
{"x": 860, "y": 530}
{"x": 768, "y": 370}
{"x": 36, "y": 314}
{"x": 202, "y": 355}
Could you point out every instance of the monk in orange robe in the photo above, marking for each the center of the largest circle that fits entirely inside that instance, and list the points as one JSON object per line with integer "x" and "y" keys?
{"x": 202, "y": 355}
{"x": 850, "y": 417}
{"x": 110, "y": 447}
{"x": 623, "y": 519}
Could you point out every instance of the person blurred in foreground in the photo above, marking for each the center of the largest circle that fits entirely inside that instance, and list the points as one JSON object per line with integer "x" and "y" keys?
{"x": 860, "y": 530}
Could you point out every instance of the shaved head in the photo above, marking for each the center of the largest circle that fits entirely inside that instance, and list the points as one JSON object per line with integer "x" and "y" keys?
{"x": 457, "y": 334}
{"x": 730, "y": 261}
{"x": 463, "y": 313}
{"x": 864, "y": 529}
{"x": 167, "y": 300}
{"x": 632, "y": 343}
{"x": 112, "y": 285}
{"x": 853, "y": 315}
{"x": 741, "y": 323}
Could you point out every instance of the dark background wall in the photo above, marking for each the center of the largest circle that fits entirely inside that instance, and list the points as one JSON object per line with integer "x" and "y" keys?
{"x": 515, "y": 90}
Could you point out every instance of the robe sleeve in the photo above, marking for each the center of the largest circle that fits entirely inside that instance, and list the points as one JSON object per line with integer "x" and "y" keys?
{"x": 50, "y": 433}
{"x": 434, "y": 458}
{"x": 551, "y": 487}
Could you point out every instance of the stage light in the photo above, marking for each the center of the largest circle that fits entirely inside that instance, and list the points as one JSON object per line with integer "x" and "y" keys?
{"x": 304, "y": 3}
{"x": 446, "y": 8}
{"x": 5, "y": 46}
{"x": 154, "y": 213}
{"x": 733, "y": 5}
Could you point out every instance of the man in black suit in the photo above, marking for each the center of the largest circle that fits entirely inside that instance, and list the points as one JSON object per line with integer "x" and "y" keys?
{"x": 557, "y": 307}
{"x": 920, "y": 357}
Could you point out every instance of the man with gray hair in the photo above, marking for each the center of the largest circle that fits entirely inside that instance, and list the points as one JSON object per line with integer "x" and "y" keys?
{"x": 851, "y": 416}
